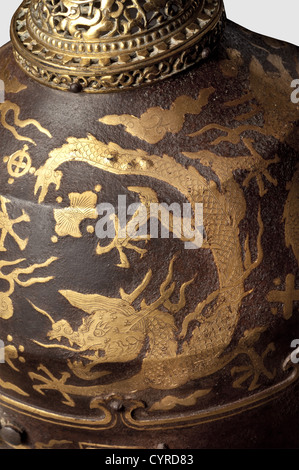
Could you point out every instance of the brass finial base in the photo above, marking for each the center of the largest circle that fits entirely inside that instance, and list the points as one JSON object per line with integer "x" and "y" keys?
{"x": 112, "y": 45}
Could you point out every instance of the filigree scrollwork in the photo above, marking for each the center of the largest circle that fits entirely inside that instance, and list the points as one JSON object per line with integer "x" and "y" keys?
{"x": 93, "y": 19}
{"x": 113, "y": 44}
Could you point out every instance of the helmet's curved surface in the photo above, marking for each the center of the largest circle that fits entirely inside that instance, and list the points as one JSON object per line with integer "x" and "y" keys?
{"x": 140, "y": 339}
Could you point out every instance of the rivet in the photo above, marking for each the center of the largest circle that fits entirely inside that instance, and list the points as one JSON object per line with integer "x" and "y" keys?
{"x": 76, "y": 87}
{"x": 206, "y": 53}
{"x": 11, "y": 435}
{"x": 116, "y": 405}
{"x": 162, "y": 446}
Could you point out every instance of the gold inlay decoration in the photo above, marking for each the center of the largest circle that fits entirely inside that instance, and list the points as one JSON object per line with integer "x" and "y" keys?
{"x": 109, "y": 420}
{"x": 110, "y": 45}
{"x": 153, "y": 125}
{"x": 13, "y": 278}
{"x": 68, "y": 220}
{"x": 12, "y": 85}
{"x": 7, "y": 225}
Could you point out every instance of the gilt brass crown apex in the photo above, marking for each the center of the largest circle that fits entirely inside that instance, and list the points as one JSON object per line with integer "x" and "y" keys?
{"x": 111, "y": 45}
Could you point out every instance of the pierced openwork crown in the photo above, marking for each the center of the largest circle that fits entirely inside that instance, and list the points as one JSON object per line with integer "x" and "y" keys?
{"x": 110, "y": 45}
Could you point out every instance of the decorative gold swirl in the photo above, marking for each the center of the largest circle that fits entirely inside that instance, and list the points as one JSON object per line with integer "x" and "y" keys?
{"x": 170, "y": 401}
{"x": 13, "y": 278}
{"x": 153, "y": 125}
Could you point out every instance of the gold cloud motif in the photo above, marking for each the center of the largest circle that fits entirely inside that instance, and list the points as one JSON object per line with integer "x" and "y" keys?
{"x": 153, "y": 125}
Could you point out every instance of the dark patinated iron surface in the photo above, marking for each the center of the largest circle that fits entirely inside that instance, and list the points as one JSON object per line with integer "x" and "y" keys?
{"x": 206, "y": 365}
